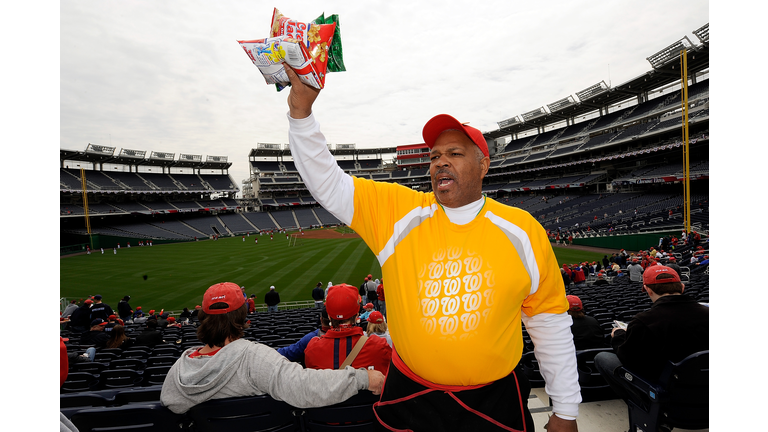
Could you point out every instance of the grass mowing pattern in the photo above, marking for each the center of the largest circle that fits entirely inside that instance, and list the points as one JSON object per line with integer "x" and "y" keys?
{"x": 178, "y": 274}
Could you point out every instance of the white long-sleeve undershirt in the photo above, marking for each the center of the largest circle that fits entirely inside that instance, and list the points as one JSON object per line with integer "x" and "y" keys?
{"x": 334, "y": 190}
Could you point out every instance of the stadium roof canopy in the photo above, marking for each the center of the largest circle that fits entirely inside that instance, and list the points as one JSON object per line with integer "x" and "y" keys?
{"x": 104, "y": 154}
{"x": 665, "y": 70}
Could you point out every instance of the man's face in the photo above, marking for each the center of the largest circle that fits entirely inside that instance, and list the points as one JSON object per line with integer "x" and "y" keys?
{"x": 456, "y": 170}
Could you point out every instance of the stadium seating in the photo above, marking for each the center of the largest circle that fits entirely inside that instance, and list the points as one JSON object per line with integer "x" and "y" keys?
{"x": 679, "y": 399}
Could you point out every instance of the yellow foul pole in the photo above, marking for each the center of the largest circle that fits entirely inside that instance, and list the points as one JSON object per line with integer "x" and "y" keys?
{"x": 686, "y": 153}
{"x": 85, "y": 206}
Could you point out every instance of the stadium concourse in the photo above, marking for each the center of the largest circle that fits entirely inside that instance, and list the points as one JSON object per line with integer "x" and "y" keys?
{"x": 602, "y": 167}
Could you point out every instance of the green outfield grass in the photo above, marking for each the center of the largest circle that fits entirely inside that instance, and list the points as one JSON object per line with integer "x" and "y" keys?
{"x": 178, "y": 274}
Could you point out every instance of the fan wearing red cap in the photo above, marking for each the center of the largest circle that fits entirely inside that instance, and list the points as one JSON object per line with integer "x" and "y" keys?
{"x": 377, "y": 325}
{"x": 331, "y": 349}
{"x": 674, "y": 327}
{"x": 230, "y": 366}
{"x": 462, "y": 271}
{"x": 587, "y": 333}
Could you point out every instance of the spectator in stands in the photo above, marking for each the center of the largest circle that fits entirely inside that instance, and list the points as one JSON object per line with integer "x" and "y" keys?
{"x": 100, "y": 309}
{"x": 118, "y": 338}
{"x": 124, "y": 308}
{"x": 229, "y": 366}
{"x": 368, "y": 309}
{"x": 411, "y": 231}
{"x": 162, "y": 320}
{"x": 606, "y": 262}
{"x": 151, "y": 336}
{"x": 587, "y": 333}
{"x": 380, "y": 293}
{"x": 579, "y": 279}
{"x": 318, "y": 295}
{"x": 601, "y": 280}
{"x": 566, "y": 278}
{"x": 295, "y": 352}
{"x": 71, "y": 307}
{"x": 185, "y": 315}
{"x": 332, "y": 349}
{"x": 96, "y": 335}
{"x": 196, "y": 311}
{"x": 635, "y": 271}
{"x": 675, "y": 327}
{"x": 251, "y": 304}
{"x": 370, "y": 291}
{"x": 377, "y": 325}
{"x": 272, "y": 299}
{"x": 363, "y": 291}
{"x": 111, "y": 323}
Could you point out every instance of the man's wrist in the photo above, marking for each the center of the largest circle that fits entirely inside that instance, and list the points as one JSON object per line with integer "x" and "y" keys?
{"x": 565, "y": 417}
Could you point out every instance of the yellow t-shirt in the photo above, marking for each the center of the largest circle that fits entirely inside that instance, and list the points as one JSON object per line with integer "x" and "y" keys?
{"x": 455, "y": 292}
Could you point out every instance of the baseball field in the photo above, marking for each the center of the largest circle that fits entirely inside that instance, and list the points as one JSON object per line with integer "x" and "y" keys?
{"x": 174, "y": 276}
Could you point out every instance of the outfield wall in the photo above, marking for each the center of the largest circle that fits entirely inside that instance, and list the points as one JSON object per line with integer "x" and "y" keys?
{"x": 630, "y": 242}
{"x": 76, "y": 243}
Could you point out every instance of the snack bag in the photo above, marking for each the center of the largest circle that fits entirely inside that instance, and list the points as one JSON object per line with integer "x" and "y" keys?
{"x": 335, "y": 54}
{"x": 269, "y": 54}
{"x": 315, "y": 38}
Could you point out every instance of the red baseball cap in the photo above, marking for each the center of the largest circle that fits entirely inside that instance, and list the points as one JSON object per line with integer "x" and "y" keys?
{"x": 342, "y": 302}
{"x": 653, "y": 275}
{"x": 224, "y": 292}
{"x": 443, "y": 122}
{"x": 376, "y": 317}
{"x": 368, "y": 306}
{"x": 574, "y": 303}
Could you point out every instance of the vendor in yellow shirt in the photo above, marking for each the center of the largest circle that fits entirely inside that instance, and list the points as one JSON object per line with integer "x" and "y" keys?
{"x": 463, "y": 271}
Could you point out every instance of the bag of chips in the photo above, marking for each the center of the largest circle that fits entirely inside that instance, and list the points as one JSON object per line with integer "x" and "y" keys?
{"x": 269, "y": 54}
{"x": 335, "y": 54}
{"x": 316, "y": 38}
{"x": 312, "y": 49}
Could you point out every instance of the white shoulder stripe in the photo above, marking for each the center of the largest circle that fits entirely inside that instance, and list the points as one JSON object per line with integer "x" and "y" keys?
{"x": 402, "y": 227}
{"x": 522, "y": 244}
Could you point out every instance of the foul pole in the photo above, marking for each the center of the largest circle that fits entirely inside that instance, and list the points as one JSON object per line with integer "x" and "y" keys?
{"x": 85, "y": 206}
{"x": 686, "y": 150}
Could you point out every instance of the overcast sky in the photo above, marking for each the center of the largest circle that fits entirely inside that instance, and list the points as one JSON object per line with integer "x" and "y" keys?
{"x": 170, "y": 76}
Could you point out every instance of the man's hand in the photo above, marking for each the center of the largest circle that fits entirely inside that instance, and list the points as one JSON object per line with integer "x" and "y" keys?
{"x": 556, "y": 424}
{"x": 375, "y": 379}
{"x": 302, "y": 96}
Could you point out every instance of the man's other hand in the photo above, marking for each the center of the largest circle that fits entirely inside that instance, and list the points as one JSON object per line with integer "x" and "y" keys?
{"x": 375, "y": 379}
{"x": 302, "y": 96}
{"x": 556, "y": 424}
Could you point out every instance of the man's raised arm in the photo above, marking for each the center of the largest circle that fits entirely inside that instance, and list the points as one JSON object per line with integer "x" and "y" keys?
{"x": 329, "y": 184}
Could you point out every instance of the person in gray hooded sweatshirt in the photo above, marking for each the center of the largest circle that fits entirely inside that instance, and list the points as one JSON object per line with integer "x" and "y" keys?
{"x": 229, "y": 366}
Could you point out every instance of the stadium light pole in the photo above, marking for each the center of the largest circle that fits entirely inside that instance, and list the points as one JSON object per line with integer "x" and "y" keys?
{"x": 686, "y": 153}
{"x": 85, "y": 206}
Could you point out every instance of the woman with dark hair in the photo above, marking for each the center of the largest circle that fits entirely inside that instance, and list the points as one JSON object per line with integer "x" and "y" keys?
{"x": 229, "y": 366}
{"x": 118, "y": 338}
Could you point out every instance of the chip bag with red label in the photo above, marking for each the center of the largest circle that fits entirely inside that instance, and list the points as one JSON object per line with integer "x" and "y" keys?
{"x": 316, "y": 38}
{"x": 270, "y": 53}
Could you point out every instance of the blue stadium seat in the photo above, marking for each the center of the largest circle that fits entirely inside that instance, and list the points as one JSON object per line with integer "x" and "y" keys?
{"x": 135, "y": 417}
{"x": 679, "y": 399}
{"x": 80, "y": 381}
{"x": 354, "y": 414}
{"x": 252, "y": 413}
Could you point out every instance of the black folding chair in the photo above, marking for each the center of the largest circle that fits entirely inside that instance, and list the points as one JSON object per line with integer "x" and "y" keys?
{"x": 679, "y": 399}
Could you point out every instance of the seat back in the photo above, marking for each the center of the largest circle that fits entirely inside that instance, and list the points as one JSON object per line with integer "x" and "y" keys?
{"x": 79, "y": 381}
{"x": 117, "y": 378}
{"x": 679, "y": 399}
{"x": 354, "y": 414}
{"x": 135, "y": 417}
{"x": 685, "y": 403}
{"x": 251, "y": 413}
